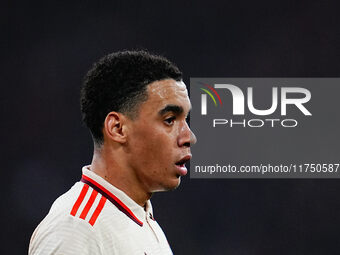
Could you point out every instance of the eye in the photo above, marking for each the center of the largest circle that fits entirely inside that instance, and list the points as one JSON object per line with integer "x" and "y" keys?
{"x": 170, "y": 121}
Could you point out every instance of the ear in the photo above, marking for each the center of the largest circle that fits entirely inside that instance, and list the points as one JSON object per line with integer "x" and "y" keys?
{"x": 114, "y": 128}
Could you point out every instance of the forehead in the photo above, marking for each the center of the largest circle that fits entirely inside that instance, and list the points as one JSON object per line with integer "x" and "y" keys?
{"x": 164, "y": 92}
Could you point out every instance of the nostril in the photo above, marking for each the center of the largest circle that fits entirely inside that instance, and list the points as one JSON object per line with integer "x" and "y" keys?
{"x": 186, "y": 144}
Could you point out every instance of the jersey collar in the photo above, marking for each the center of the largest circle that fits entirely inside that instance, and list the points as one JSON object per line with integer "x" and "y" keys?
{"x": 117, "y": 197}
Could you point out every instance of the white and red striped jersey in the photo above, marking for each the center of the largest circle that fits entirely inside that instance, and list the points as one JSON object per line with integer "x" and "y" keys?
{"x": 94, "y": 217}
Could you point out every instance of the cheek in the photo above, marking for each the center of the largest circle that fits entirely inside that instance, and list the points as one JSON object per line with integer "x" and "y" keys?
{"x": 153, "y": 145}
{"x": 156, "y": 152}
{"x": 145, "y": 144}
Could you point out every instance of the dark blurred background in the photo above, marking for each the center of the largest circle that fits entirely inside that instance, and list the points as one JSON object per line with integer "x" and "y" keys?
{"x": 47, "y": 47}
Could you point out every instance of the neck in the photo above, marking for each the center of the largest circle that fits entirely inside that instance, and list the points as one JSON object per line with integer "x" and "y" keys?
{"x": 115, "y": 171}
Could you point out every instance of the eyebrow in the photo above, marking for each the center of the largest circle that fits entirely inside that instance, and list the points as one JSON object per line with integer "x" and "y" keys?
{"x": 171, "y": 108}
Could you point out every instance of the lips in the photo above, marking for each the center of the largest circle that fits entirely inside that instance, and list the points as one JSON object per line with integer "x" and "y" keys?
{"x": 180, "y": 165}
{"x": 183, "y": 160}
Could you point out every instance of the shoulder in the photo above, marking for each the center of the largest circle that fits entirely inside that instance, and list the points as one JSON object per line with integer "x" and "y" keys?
{"x": 71, "y": 226}
{"x": 80, "y": 202}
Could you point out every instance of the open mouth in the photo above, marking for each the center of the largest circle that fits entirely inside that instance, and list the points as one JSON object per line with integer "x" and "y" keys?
{"x": 183, "y": 161}
{"x": 180, "y": 165}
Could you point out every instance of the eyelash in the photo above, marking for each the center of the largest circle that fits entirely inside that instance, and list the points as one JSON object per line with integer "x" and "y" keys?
{"x": 170, "y": 121}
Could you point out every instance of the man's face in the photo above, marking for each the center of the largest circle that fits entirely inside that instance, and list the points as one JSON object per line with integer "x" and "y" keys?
{"x": 160, "y": 138}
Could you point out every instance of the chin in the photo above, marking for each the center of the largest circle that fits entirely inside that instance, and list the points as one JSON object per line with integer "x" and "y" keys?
{"x": 170, "y": 185}
{"x": 174, "y": 184}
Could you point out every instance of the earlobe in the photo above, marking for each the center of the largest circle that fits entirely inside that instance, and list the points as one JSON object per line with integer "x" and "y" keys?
{"x": 114, "y": 127}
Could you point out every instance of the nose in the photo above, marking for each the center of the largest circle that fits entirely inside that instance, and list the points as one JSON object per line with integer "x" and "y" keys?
{"x": 186, "y": 136}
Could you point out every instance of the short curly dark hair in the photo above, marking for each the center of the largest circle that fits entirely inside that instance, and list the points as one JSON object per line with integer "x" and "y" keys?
{"x": 118, "y": 82}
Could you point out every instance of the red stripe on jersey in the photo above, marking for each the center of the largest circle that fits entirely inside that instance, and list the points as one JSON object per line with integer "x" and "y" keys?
{"x": 88, "y": 204}
{"x": 79, "y": 200}
{"x": 112, "y": 198}
{"x": 98, "y": 210}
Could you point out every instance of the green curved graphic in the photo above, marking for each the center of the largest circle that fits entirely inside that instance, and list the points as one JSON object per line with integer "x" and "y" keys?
{"x": 212, "y": 97}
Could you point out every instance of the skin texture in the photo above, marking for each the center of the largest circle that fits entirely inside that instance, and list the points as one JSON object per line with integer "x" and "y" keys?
{"x": 139, "y": 156}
